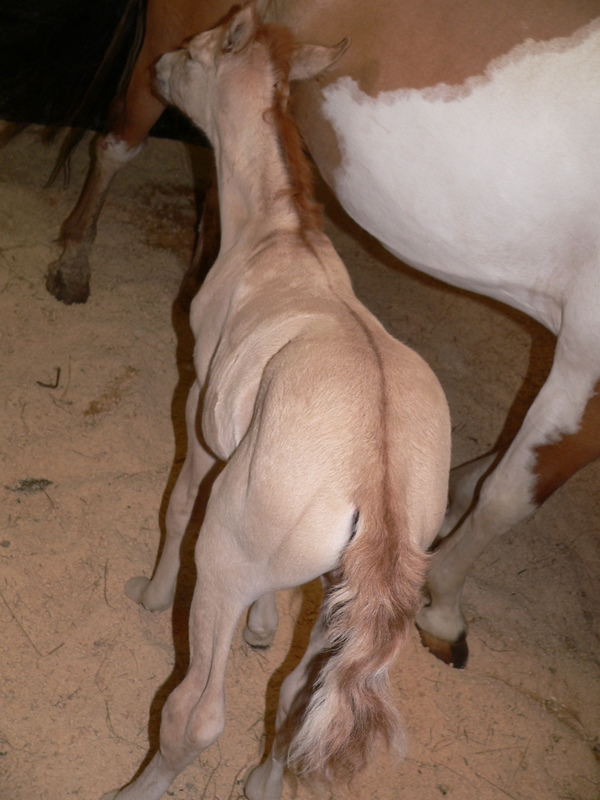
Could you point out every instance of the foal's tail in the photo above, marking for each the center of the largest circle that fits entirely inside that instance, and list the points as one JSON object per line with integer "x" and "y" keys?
{"x": 368, "y": 613}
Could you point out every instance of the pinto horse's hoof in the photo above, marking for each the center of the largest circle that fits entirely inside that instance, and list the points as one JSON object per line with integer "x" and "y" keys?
{"x": 66, "y": 290}
{"x": 455, "y": 654}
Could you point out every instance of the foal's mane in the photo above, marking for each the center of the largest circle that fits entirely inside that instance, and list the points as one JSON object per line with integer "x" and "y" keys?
{"x": 281, "y": 47}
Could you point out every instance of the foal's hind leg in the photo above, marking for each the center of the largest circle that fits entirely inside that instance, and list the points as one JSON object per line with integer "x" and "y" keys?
{"x": 560, "y": 434}
{"x": 235, "y": 565}
{"x": 265, "y": 782}
{"x": 157, "y": 594}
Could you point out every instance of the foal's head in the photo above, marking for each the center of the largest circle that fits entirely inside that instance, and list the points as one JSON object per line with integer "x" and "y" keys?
{"x": 243, "y": 68}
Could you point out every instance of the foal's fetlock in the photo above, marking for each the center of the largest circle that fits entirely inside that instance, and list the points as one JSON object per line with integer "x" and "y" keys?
{"x": 261, "y": 625}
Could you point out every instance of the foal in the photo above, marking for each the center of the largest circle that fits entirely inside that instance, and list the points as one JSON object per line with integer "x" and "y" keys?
{"x": 333, "y": 438}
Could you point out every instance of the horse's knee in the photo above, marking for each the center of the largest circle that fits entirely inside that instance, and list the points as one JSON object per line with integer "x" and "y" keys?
{"x": 206, "y": 722}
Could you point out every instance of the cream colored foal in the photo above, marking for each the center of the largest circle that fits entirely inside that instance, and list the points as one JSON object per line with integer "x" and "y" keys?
{"x": 332, "y": 437}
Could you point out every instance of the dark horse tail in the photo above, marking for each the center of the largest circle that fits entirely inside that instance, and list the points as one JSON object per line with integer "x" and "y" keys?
{"x": 64, "y": 64}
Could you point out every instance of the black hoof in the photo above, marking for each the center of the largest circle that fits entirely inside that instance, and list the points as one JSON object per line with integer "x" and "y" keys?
{"x": 455, "y": 654}
{"x": 65, "y": 291}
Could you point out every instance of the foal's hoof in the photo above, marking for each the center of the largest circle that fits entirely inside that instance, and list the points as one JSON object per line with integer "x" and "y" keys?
{"x": 258, "y": 641}
{"x": 143, "y": 592}
{"x": 65, "y": 290}
{"x": 263, "y": 783}
{"x": 134, "y": 589}
{"x": 455, "y": 654}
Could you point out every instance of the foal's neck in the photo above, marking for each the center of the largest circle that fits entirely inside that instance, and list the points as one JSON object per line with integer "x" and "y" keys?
{"x": 256, "y": 196}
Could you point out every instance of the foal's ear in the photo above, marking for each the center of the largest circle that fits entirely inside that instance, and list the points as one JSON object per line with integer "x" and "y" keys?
{"x": 241, "y": 28}
{"x": 310, "y": 60}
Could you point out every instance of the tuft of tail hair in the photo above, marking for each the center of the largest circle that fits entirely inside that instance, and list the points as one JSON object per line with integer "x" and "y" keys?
{"x": 367, "y": 613}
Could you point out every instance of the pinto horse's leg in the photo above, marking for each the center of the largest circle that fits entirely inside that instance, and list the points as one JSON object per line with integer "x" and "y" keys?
{"x": 157, "y": 594}
{"x": 265, "y": 782}
{"x": 68, "y": 278}
{"x": 560, "y": 435}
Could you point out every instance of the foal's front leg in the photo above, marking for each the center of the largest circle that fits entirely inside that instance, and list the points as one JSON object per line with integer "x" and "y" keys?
{"x": 194, "y": 714}
{"x": 157, "y": 594}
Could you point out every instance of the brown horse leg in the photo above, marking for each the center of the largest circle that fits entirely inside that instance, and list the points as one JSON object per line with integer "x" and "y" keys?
{"x": 68, "y": 278}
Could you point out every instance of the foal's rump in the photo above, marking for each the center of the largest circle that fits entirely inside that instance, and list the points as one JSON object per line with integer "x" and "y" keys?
{"x": 342, "y": 415}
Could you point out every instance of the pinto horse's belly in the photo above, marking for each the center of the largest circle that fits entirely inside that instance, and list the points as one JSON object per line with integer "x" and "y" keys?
{"x": 493, "y": 186}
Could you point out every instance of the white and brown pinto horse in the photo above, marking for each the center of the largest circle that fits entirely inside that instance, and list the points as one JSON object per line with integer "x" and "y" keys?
{"x": 464, "y": 136}
{"x": 333, "y": 438}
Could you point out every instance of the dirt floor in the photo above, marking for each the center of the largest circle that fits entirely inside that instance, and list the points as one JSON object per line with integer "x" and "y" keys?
{"x": 87, "y": 458}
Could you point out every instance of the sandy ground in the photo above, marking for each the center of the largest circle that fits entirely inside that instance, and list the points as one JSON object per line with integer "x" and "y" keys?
{"x": 86, "y": 465}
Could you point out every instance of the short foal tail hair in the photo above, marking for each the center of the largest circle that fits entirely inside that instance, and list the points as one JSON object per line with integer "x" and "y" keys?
{"x": 368, "y": 613}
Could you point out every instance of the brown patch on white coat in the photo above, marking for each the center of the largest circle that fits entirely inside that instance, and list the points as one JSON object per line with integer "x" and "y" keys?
{"x": 556, "y": 461}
